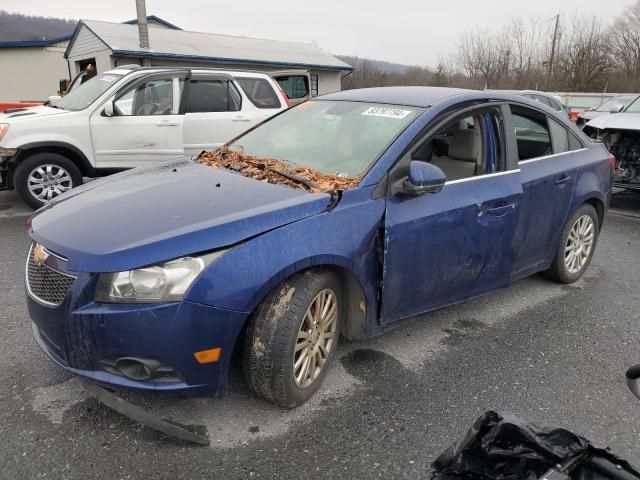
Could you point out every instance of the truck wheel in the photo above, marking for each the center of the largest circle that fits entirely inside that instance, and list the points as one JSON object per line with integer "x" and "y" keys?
{"x": 577, "y": 244}
{"x": 292, "y": 338}
{"x": 43, "y": 176}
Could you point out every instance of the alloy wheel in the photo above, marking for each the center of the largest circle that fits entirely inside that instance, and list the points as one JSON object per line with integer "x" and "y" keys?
{"x": 46, "y": 182}
{"x": 316, "y": 338}
{"x": 579, "y": 244}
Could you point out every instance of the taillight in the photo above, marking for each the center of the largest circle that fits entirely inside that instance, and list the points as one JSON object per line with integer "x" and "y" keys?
{"x": 612, "y": 162}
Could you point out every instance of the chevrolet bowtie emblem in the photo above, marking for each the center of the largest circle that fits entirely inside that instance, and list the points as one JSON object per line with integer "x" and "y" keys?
{"x": 40, "y": 255}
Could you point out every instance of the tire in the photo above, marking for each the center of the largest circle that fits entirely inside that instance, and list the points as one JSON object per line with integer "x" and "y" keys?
{"x": 562, "y": 269}
{"x": 274, "y": 331}
{"x": 50, "y": 169}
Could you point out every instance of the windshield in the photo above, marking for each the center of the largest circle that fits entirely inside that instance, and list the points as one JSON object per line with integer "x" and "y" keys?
{"x": 634, "y": 107}
{"x": 614, "y": 105}
{"x": 84, "y": 95}
{"x": 337, "y": 138}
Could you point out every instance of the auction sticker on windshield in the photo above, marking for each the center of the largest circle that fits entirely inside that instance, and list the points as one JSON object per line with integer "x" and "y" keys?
{"x": 386, "y": 112}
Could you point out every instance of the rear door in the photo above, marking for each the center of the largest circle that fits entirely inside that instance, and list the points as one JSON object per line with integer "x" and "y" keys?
{"x": 548, "y": 172}
{"x": 215, "y": 112}
{"x": 146, "y": 125}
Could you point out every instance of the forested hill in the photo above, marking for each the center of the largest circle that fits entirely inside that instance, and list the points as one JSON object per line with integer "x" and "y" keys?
{"x": 15, "y": 26}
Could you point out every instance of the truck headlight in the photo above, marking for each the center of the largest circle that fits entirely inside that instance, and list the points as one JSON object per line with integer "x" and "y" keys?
{"x": 166, "y": 282}
{"x": 4, "y": 128}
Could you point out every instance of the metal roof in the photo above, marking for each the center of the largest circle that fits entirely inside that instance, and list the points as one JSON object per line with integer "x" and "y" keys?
{"x": 35, "y": 43}
{"x": 122, "y": 40}
{"x": 64, "y": 38}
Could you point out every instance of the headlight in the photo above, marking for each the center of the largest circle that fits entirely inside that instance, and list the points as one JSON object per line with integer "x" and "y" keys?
{"x": 162, "y": 283}
{"x": 4, "y": 128}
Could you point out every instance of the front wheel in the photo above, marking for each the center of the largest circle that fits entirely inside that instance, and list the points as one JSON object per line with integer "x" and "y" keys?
{"x": 577, "y": 245}
{"x": 43, "y": 176}
{"x": 292, "y": 338}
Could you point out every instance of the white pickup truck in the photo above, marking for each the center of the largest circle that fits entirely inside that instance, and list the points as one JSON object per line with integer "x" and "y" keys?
{"x": 128, "y": 117}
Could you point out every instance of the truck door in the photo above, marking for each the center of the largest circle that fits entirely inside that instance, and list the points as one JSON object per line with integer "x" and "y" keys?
{"x": 146, "y": 124}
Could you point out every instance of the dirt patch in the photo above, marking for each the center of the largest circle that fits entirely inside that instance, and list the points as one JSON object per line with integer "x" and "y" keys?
{"x": 272, "y": 170}
{"x": 280, "y": 306}
{"x": 258, "y": 348}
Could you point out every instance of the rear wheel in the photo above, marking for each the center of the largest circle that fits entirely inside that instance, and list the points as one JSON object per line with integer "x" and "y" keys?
{"x": 577, "y": 246}
{"x": 43, "y": 176}
{"x": 292, "y": 338}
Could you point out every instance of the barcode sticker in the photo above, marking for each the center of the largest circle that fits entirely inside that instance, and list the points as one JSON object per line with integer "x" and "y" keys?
{"x": 386, "y": 112}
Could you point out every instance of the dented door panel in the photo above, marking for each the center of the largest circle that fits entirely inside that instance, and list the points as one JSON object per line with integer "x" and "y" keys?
{"x": 443, "y": 248}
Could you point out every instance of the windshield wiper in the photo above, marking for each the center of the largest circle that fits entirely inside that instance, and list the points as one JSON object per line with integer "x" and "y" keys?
{"x": 310, "y": 185}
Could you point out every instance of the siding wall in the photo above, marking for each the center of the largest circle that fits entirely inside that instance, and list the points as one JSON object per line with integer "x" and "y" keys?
{"x": 31, "y": 73}
{"x": 85, "y": 46}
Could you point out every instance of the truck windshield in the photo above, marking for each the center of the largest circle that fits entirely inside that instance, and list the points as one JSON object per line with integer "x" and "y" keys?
{"x": 84, "y": 95}
{"x": 334, "y": 137}
{"x": 634, "y": 107}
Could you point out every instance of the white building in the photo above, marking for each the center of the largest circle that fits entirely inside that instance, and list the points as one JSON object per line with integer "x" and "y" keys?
{"x": 32, "y": 70}
{"x": 107, "y": 45}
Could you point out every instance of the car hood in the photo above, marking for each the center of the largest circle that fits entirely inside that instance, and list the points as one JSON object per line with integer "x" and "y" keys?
{"x": 18, "y": 114}
{"x": 591, "y": 114}
{"x": 617, "y": 121}
{"x": 149, "y": 215}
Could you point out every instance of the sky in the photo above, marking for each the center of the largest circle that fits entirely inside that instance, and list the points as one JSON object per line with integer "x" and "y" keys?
{"x": 402, "y": 31}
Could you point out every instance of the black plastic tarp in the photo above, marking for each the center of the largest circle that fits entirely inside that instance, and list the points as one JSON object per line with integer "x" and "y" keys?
{"x": 501, "y": 446}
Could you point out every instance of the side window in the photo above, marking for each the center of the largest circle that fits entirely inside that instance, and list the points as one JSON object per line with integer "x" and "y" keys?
{"x": 295, "y": 86}
{"x": 212, "y": 95}
{"x": 574, "y": 143}
{"x": 314, "y": 85}
{"x": 559, "y": 137}
{"x": 532, "y": 133}
{"x": 154, "y": 97}
{"x": 260, "y": 92}
{"x": 465, "y": 147}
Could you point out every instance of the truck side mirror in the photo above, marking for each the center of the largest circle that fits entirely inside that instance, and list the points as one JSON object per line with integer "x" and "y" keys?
{"x": 108, "y": 109}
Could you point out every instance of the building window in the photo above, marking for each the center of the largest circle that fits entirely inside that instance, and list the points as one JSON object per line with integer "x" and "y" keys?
{"x": 314, "y": 85}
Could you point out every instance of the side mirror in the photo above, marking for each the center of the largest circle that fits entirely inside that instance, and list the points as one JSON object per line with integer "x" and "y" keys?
{"x": 53, "y": 99}
{"x": 423, "y": 178}
{"x": 633, "y": 379}
{"x": 108, "y": 109}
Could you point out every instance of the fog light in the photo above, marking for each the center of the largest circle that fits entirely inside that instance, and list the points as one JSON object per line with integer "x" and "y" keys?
{"x": 208, "y": 356}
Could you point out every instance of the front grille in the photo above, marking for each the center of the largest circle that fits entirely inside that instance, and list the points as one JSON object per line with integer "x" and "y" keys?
{"x": 45, "y": 284}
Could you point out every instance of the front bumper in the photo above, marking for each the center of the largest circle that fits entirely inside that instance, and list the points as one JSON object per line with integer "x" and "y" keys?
{"x": 6, "y": 154}
{"x": 80, "y": 340}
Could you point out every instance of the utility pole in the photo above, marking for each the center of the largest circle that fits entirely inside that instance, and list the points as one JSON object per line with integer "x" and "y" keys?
{"x": 553, "y": 50}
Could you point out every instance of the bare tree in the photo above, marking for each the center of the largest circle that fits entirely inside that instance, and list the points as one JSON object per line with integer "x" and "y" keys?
{"x": 485, "y": 57}
{"x": 584, "y": 58}
{"x": 624, "y": 36}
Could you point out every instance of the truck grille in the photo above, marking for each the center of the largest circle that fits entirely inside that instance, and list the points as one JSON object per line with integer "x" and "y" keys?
{"x": 45, "y": 284}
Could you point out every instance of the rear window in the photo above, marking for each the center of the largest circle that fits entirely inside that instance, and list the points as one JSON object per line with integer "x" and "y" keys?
{"x": 260, "y": 92}
{"x": 212, "y": 95}
{"x": 295, "y": 86}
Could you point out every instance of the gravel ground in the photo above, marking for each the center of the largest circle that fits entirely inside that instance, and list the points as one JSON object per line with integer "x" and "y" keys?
{"x": 556, "y": 354}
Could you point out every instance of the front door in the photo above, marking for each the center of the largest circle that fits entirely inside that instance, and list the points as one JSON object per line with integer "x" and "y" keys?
{"x": 445, "y": 247}
{"x": 146, "y": 125}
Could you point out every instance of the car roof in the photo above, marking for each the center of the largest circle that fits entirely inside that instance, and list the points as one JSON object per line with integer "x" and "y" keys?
{"x": 130, "y": 69}
{"x": 422, "y": 97}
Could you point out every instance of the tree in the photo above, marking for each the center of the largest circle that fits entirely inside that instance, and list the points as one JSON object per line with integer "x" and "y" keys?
{"x": 624, "y": 36}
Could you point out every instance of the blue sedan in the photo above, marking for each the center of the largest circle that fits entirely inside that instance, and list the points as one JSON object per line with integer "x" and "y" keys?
{"x": 152, "y": 278}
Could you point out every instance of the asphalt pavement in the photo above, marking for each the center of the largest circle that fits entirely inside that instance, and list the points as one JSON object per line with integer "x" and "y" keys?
{"x": 556, "y": 354}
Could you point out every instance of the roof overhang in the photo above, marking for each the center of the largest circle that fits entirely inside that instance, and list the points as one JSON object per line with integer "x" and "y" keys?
{"x": 173, "y": 56}
{"x": 35, "y": 43}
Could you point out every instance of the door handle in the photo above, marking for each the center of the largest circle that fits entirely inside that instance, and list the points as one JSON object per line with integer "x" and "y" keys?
{"x": 167, "y": 124}
{"x": 500, "y": 211}
{"x": 562, "y": 180}
{"x": 241, "y": 119}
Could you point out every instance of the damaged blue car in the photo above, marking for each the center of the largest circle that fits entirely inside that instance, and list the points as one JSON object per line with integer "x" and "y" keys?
{"x": 340, "y": 217}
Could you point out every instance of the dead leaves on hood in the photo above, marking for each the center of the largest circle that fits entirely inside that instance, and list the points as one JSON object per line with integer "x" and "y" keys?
{"x": 276, "y": 171}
